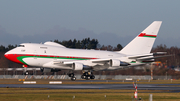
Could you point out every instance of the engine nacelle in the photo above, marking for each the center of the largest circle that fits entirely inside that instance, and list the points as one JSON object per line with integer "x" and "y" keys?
{"x": 77, "y": 66}
{"x": 115, "y": 62}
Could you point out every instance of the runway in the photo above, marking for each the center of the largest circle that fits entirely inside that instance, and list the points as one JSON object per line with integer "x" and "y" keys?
{"x": 170, "y": 87}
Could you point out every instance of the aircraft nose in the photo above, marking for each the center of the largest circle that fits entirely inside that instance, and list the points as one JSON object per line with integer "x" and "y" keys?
{"x": 13, "y": 57}
{"x": 7, "y": 55}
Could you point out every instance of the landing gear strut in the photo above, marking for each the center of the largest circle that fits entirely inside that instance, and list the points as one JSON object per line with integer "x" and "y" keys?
{"x": 88, "y": 76}
{"x": 25, "y": 72}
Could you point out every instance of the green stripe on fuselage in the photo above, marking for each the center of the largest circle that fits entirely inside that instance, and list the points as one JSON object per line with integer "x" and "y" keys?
{"x": 20, "y": 58}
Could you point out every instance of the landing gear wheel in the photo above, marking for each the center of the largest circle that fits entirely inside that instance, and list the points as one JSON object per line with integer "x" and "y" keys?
{"x": 71, "y": 75}
{"x": 25, "y": 73}
{"x": 88, "y": 78}
{"x": 83, "y": 76}
{"x": 73, "y": 78}
{"x": 92, "y": 77}
{"x": 87, "y": 75}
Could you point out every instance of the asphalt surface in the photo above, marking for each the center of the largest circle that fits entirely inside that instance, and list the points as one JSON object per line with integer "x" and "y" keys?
{"x": 170, "y": 87}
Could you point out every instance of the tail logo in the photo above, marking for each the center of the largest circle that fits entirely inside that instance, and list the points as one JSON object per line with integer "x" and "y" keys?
{"x": 146, "y": 35}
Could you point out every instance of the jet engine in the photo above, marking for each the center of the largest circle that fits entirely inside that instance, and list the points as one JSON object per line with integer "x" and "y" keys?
{"x": 77, "y": 66}
{"x": 116, "y": 62}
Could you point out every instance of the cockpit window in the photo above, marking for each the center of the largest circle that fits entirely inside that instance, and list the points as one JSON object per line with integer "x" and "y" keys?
{"x": 21, "y": 46}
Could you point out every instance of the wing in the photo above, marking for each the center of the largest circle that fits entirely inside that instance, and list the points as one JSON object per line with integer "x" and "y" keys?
{"x": 105, "y": 63}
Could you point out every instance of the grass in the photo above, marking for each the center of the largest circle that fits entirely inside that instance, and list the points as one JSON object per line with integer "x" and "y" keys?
{"x": 33, "y": 94}
{"x": 41, "y": 94}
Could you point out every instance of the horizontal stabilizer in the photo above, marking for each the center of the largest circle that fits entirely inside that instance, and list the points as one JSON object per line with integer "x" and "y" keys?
{"x": 149, "y": 58}
{"x": 159, "y": 53}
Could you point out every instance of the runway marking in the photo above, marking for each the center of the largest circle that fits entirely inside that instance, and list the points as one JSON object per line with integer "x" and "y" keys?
{"x": 55, "y": 82}
{"x": 29, "y": 82}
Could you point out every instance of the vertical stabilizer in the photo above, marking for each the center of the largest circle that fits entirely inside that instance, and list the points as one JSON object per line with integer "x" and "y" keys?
{"x": 143, "y": 43}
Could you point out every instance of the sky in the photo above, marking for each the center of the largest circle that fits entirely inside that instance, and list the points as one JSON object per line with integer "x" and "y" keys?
{"x": 112, "y": 22}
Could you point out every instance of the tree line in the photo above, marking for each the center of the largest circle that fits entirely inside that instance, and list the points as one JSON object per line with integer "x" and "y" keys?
{"x": 86, "y": 43}
{"x": 5, "y": 49}
{"x": 174, "y": 60}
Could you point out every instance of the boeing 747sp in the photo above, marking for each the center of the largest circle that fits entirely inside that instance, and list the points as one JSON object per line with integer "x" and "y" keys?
{"x": 52, "y": 56}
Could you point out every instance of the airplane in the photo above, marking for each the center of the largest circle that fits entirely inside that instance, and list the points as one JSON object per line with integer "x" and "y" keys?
{"x": 52, "y": 56}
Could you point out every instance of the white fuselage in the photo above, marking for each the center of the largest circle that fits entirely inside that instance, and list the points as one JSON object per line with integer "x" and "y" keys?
{"x": 44, "y": 55}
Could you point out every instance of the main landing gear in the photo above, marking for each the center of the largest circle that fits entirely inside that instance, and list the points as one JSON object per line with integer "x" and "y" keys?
{"x": 73, "y": 78}
{"x": 88, "y": 76}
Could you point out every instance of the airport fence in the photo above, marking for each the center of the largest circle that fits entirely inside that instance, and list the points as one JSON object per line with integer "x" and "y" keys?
{"x": 97, "y": 77}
